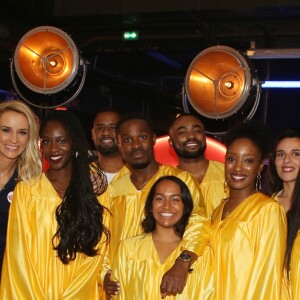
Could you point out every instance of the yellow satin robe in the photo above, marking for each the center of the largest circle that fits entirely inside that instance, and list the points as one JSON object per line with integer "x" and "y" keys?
{"x": 31, "y": 268}
{"x": 126, "y": 204}
{"x": 212, "y": 186}
{"x": 292, "y": 285}
{"x": 249, "y": 249}
{"x": 138, "y": 269}
{"x": 121, "y": 173}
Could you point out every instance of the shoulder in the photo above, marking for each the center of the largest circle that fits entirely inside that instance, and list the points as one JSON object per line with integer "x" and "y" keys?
{"x": 119, "y": 182}
{"x": 32, "y": 184}
{"x": 124, "y": 170}
{"x": 266, "y": 206}
{"x": 133, "y": 244}
{"x": 216, "y": 166}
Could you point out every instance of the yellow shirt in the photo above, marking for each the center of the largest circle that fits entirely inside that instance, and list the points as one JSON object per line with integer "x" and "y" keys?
{"x": 126, "y": 204}
{"x": 249, "y": 249}
{"x": 212, "y": 186}
{"x": 31, "y": 268}
{"x": 292, "y": 285}
{"x": 138, "y": 269}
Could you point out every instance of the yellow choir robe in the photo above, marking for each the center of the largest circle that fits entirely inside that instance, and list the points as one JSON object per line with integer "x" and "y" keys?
{"x": 292, "y": 284}
{"x": 249, "y": 249}
{"x": 121, "y": 173}
{"x": 31, "y": 268}
{"x": 212, "y": 186}
{"x": 126, "y": 205}
{"x": 138, "y": 269}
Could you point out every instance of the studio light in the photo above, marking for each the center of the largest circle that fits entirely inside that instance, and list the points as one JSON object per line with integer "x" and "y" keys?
{"x": 47, "y": 70}
{"x": 221, "y": 85}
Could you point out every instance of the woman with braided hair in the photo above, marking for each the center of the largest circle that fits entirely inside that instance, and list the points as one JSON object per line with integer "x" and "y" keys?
{"x": 57, "y": 234}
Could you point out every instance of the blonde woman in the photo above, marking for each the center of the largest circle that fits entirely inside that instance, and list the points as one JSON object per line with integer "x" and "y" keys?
{"x": 19, "y": 155}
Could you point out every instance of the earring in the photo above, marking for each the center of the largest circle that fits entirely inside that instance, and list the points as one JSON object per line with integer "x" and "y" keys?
{"x": 75, "y": 153}
{"x": 258, "y": 182}
{"x": 225, "y": 186}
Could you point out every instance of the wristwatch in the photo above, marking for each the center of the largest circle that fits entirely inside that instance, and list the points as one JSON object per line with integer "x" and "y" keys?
{"x": 185, "y": 257}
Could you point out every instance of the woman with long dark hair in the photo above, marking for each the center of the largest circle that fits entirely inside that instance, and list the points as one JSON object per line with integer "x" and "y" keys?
{"x": 57, "y": 236}
{"x": 141, "y": 261}
{"x": 285, "y": 166}
{"x": 292, "y": 258}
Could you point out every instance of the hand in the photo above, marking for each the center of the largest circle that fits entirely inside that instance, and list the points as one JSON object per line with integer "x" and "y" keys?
{"x": 174, "y": 280}
{"x": 111, "y": 288}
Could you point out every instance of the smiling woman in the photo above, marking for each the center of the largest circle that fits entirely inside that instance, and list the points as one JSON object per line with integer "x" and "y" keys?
{"x": 19, "y": 155}
{"x": 141, "y": 261}
{"x": 248, "y": 228}
{"x": 285, "y": 166}
{"x": 56, "y": 222}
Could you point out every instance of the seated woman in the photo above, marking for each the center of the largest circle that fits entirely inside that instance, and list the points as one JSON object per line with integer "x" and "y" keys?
{"x": 57, "y": 234}
{"x": 292, "y": 259}
{"x": 141, "y": 261}
{"x": 248, "y": 228}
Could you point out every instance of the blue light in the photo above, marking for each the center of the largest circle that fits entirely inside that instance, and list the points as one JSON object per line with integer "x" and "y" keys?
{"x": 281, "y": 84}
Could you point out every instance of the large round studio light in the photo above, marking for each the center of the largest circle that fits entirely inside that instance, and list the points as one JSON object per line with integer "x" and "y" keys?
{"x": 220, "y": 85}
{"x": 49, "y": 71}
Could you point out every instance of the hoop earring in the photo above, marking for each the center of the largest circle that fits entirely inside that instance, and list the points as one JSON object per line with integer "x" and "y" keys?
{"x": 225, "y": 186}
{"x": 258, "y": 182}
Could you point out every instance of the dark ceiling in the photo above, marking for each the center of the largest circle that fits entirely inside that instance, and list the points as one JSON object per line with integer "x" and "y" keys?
{"x": 147, "y": 75}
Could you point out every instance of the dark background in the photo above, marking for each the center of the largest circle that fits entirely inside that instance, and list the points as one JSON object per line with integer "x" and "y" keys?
{"x": 147, "y": 75}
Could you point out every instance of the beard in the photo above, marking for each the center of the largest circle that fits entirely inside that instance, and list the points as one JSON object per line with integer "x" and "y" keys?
{"x": 183, "y": 153}
{"x": 107, "y": 150}
{"x": 139, "y": 165}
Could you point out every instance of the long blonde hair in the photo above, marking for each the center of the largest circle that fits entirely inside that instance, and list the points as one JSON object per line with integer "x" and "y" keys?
{"x": 29, "y": 164}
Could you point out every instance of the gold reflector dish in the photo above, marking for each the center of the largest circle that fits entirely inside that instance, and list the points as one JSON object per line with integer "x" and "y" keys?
{"x": 218, "y": 82}
{"x": 46, "y": 60}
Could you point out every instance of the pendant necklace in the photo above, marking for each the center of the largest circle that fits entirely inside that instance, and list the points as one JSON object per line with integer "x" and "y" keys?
{"x": 60, "y": 192}
{"x": 140, "y": 187}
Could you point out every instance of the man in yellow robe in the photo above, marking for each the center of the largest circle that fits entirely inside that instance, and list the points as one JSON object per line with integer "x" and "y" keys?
{"x": 39, "y": 273}
{"x": 126, "y": 196}
{"x": 188, "y": 139}
{"x": 104, "y": 138}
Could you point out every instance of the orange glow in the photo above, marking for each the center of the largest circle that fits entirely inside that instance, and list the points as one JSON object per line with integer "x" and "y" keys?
{"x": 166, "y": 155}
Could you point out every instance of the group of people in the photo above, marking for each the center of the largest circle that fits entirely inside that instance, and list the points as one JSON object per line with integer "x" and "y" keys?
{"x": 116, "y": 224}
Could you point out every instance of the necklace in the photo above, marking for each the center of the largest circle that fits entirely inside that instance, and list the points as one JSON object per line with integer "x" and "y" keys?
{"x": 139, "y": 187}
{"x": 60, "y": 192}
{"x": 228, "y": 209}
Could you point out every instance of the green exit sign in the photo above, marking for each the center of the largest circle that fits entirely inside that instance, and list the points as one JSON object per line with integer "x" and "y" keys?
{"x": 130, "y": 35}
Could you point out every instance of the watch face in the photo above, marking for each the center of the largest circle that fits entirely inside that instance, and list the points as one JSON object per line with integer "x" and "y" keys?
{"x": 185, "y": 256}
